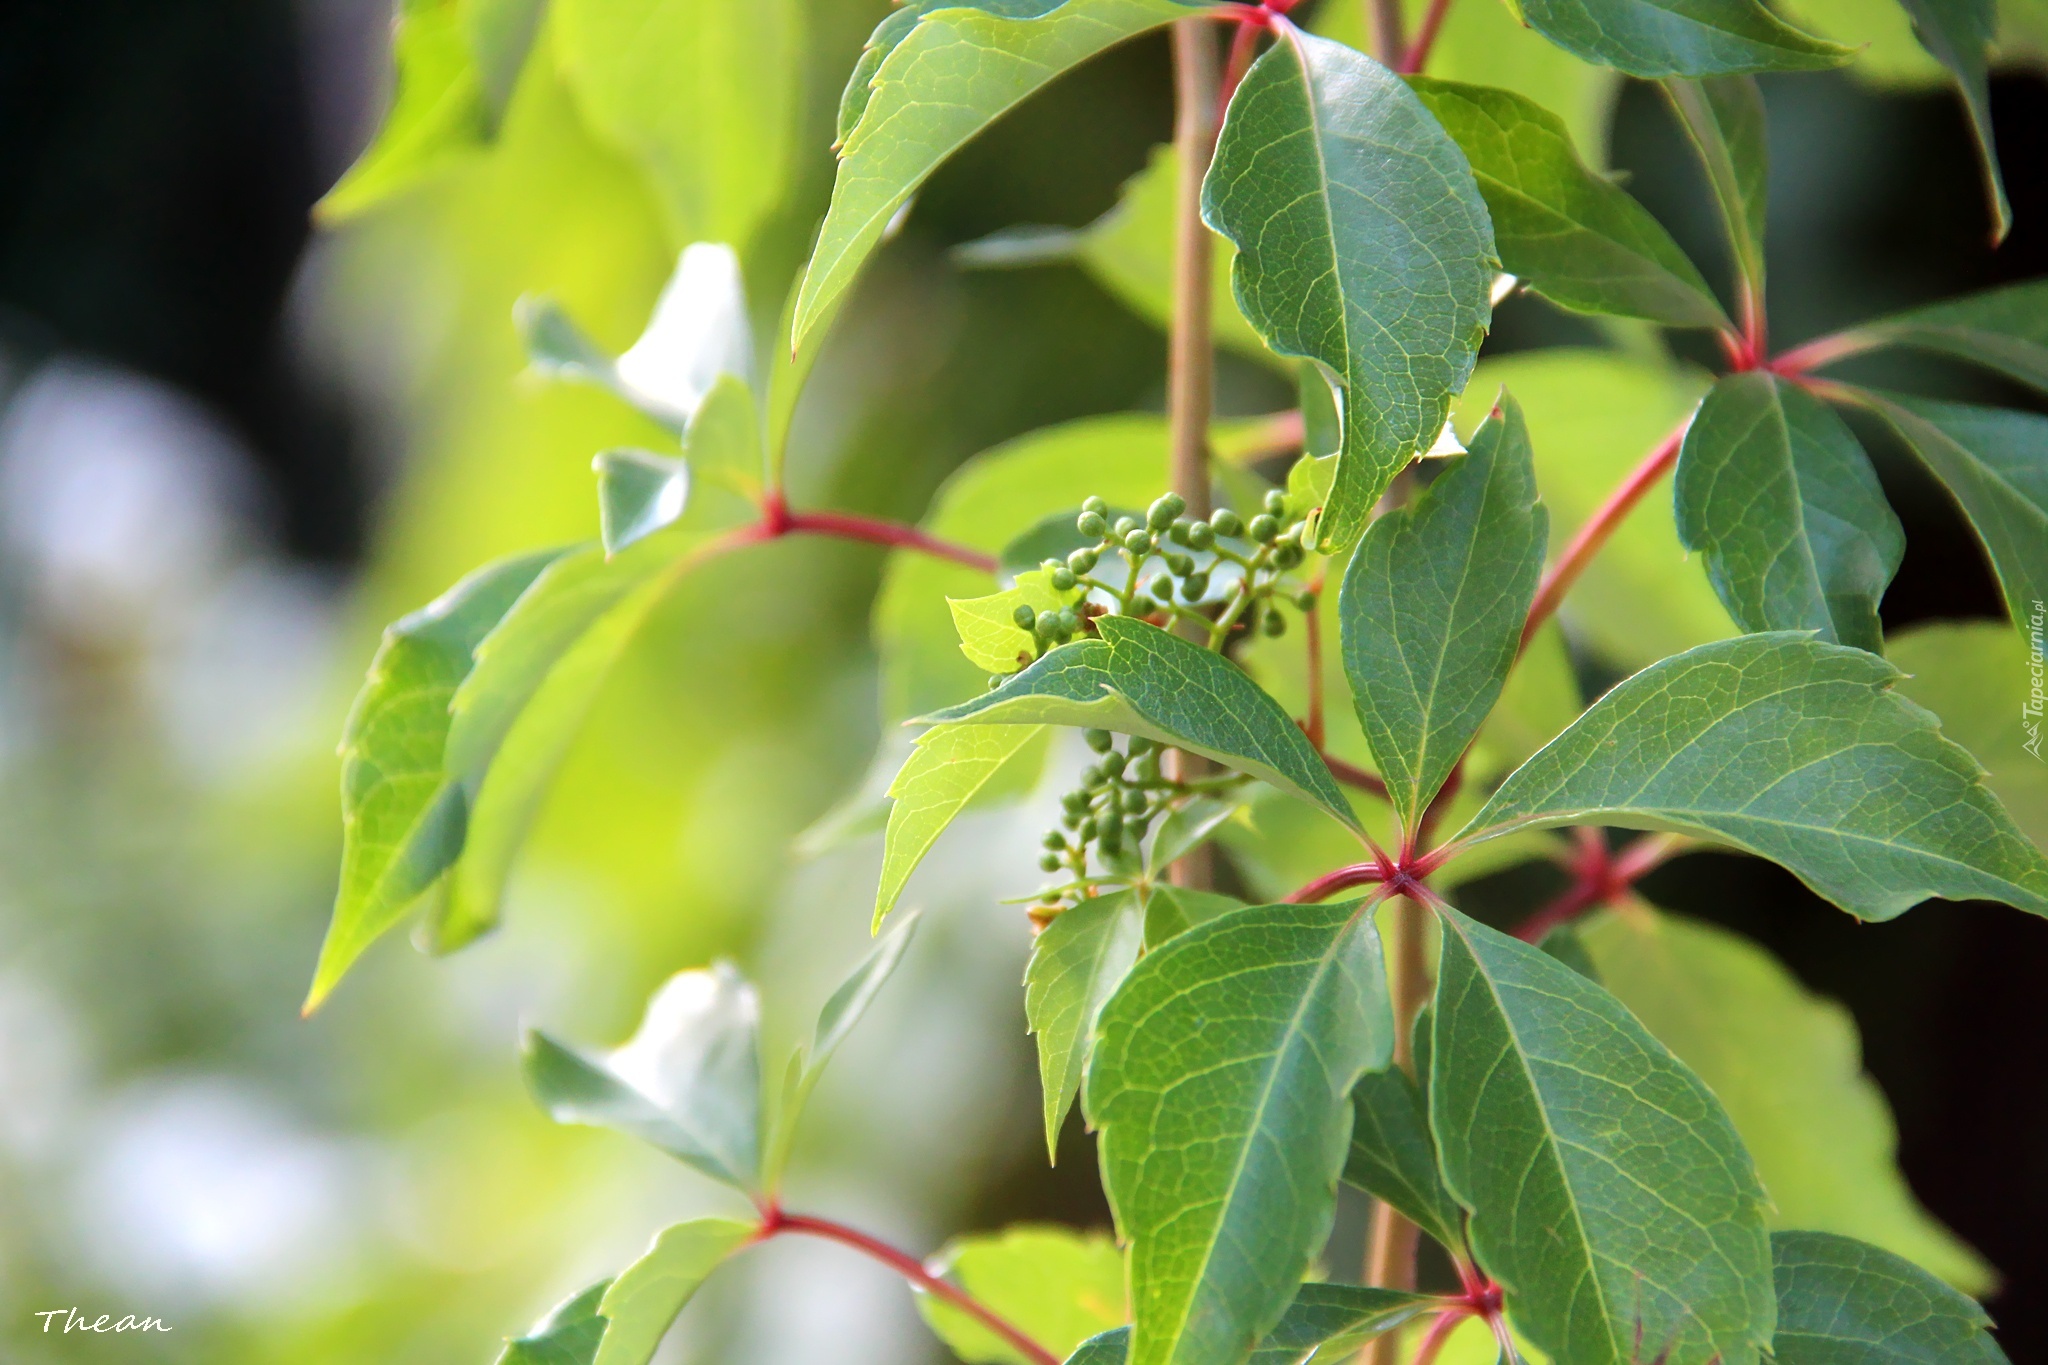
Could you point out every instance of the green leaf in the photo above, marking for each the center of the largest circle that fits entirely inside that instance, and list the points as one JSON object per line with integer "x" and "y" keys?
{"x": 949, "y": 765}
{"x": 1076, "y": 965}
{"x": 1139, "y": 680}
{"x": 1593, "y": 416}
{"x": 1609, "y": 1194}
{"x": 1362, "y": 244}
{"x": 402, "y": 819}
{"x": 938, "y": 85}
{"x": 1995, "y": 463}
{"x": 1325, "y": 1323}
{"x": 706, "y": 96}
{"x": 1841, "y": 1302}
{"x": 1793, "y": 750}
{"x": 1977, "y": 676}
{"x": 1773, "y": 489}
{"x": 1057, "y": 1286}
{"x": 723, "y": 446}
{"x": 1654, "y": 38}
{"x": 1786, "y": 1065}
{"x": 638, "y": 493}
{"x": 567, "y": 1336}
{"x": 643, "y": 1302}
{"x": 1960, "y": 34}
{"x": 1724, "y": 118}
{"x": 1221, "y": 1084}
{"x": 1393, "y": 1155}
{"x": 1187, "y": 826}
{"x": 1171, "y": 910}
{"x": 500, "y": 34}
{"x": 2002, "y": 329}
{"x": 1433, "y": 605}
{"x": 989, "y": 634}
{"x": 439, "y": 116}
{"x": 1574, "y": 236}
{"x": 688, "y": 1082}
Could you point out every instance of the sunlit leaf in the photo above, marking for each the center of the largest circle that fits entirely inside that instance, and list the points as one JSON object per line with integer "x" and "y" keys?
{"x": 1057, "y": 1286}
{"x": 1977, "y": 676}
{"x": 567, "y": 1336}
{"x": 1652, "y": 38}
{"x": 1841, "y": 1302}
{"x": 1076, "y": 965}
{"x": 643, "y": 1301}
{"x": 1171, "y": 910}
{"x": 949, "y": 765}
{"x": 638, "y": 493}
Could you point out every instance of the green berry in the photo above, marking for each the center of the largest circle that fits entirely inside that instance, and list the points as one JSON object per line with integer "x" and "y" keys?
{"x": 1054, "y": 840}
{"x": 1068, "y": 621}
{"x": 1142, "y": 605}
{"x": 1082, "y": 560}
{"x": 1087, "y": 830}
{"x": 1072, "y": 820}
{"x": 1288, "y": 555}
{"x": 1306, "y": 599}
{"x": 1112, "y": 837}
{"x": 1162, "y": 587}
{"x": 1091, "y": 525}
{"x": 1135, "y": 828}
{"x": 1264, "y": 528}
{"x": 1049, "y": 862}
{"x": 1138, "y": 542}
{"x": 1094, "y": 504}
{"x": 1024, "y": 616}
{"x": 1178, "y": 532}
{"x": 1063, "y": 579}
{"x": 1161, "y": 513}
{"x": 1091, "y": 777}
{"x": 1179, "y": 563}
{"x": 1201, "y": 536}
{"x": 1141, "y": 746}
{"x": 1194, "y": 587}
{"x": 1275, "y": 624}
{"x": 996, "y": 680}
{"x": 1099, "y": 740}
{"x": 1134, "y": 802}
{"x": 1276, "y": 501}
{"x": 1124, "y": 526}
{"x": 1227, "y": 523}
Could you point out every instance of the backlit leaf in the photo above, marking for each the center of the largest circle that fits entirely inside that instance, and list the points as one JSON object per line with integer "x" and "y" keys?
{"x": 1978, "y": 677}
{"x": 638, "y": 493}
{"x": 439, "y": 113}
{"x": 949, "y": 765}
{"x": 643, "y": 1301}
{"x": 1076, "y": 964}
{"x": 1773, "y": 489}
{"x": 1653, "y": 38}
{"x": 1793, "y": 750}
{"x": 688, "y": 1082}
{"x": 1137, "y": 679}
{"x": 1433, "y": 606}
{"x": 1573, "y": 236}
{"x": 1362, "y": 243}
{"x": 1057, "y": 1286}
{"x": 1842, "y": 1302}
{"x": 1959, "y": 33}
{"x": 1221, "y": 1086}
{"x": 1609, "y": 1194}
{"x": 567, "y": 1336}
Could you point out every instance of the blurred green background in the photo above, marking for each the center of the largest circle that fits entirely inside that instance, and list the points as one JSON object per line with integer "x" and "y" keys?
{"x": 233, "y": 447}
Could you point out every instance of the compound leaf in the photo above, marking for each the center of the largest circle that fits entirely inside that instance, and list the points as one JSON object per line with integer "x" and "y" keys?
{"x": 1772, "y": 487}
{"x": 1573, "y": 236}
{"x": 1432, "y": 609}
{"x": 1793, "y": 750}
{"x": 1609, "y": 1194}
{"x": 643, "y": 1301}
{"x": 1221, "y": 1084}
{"x": 1656, "y": 38}
{"x": 688, "y": 1082}
{"x": 1393, "y": 1155}
{"x": 949, "y": 765}
{"x": 567, "y": 1336}
{"x": 1363, "y": 244}
{"x": 1076, "y": 965}
{"x": 2002, "y": 329}
{"x": 1844, "y": 1302}
{"x": 1139, "y": 680}
{"x": 1057, "y": 1286}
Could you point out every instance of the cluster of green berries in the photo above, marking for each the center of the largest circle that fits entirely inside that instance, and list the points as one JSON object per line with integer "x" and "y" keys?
{"x": 1120, "y": 795}
{"x": 1175, "y": 539}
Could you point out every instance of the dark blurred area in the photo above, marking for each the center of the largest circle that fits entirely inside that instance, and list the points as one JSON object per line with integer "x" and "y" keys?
{"x": 158, "y": 159}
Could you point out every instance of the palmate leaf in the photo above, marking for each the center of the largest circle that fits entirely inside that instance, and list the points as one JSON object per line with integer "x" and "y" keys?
{"x": 705, "y": 96}
{"x": 1393, "y": 1154}
{"x": 1363, "y": 245}
{"x": 688, "y": 1082}
{"x": 1995, "y": 463}
{"x": 1724, "y": 118}
{"x": 951, "y": 74}
{"x": 642, "y": 1303}
{"x": 1221, "y": 1086}
{"x": 1793, "y": 750}
{"x": 403, "y": 821}
{"x": 950, "y": 764}
{"x": 1573, "y": 236}
{"x": 567, "y": 1336}
{"x": 1656, "y": 38}
{"x": 1772, "y": 487}
{"x": 2002, "y": 329}
{"x": 1076, "y": 964}
{"x": 1843, "y": 1302}
{"x": 1325, "y": 1323}
{"x": 1786, "y": 1065}
{"x": 1057, "y": 1286}
{"x": 1959, "y": 34}
{"x": 1137, "y": 679}
{"x": 1609, "y": 1194}
{"x": 1433, "y": 605}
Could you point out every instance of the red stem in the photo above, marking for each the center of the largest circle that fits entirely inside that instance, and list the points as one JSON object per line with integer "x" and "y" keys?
{"x": 1439, "y": 1332}
{"x": 1599, "y": 527}
{"x": 774, "y": 1221}
{"x": 1599, "y": 878}
{"x": 1343, "y": 879}
{"x": 1417, "y": 55}
{"x": 1240, "y": 61}
{"x": 1312, "y": 634}
{"x": 779, "y": 521}
{"x": 1825, "y": 350}
{"x": 1353, "y": 776}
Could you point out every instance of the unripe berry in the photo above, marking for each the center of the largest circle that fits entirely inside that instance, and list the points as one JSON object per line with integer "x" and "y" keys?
{"x": 1179, "y": 563}
{"x": 1288, "y": 555}
{"x": 1142, "y": 605}
{"x": 1201, "y": 536}
{"x": 1072, "y": 820}
{"x": 1227, "y": 523}
{"x": 1138, "y": 542}
{"x": 1194, "y": 587}
{"x": 1162, "y": 587}
{"x": 1054, "y": 840}
{"x": 1083, "y": 559}
{"x": 1134, "y": 802}
{"x": 1062, "y": 579}
{"x": 1306, "y": 599}
{"x": 1180, "y": 530}
{"x": 1024, "y": 616}
{"x": 1091, "y": 777}
{"x": 1068, "y": 621}
{"x": 1113, "y": 764}
{"x": 1264, "y": 528}
{"x": 1112, "y": 837}
{"x": 1141, "y": 746}
{"x": 1092, "y": 525}
{"x": 1161, "y": 513}
{"x": 1049, "y": 862}
{"x": 1091, "y": 503}
{"x": 1087, "y": 830}
{"x": 1124, "y": 526}
{"x": 1276, "y": 501}
{"x": 1135, "y": 828}
{"x": 1099, "y": 740}
{"x": 996, "y": 680}
{"x": 1275, "y": 624}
